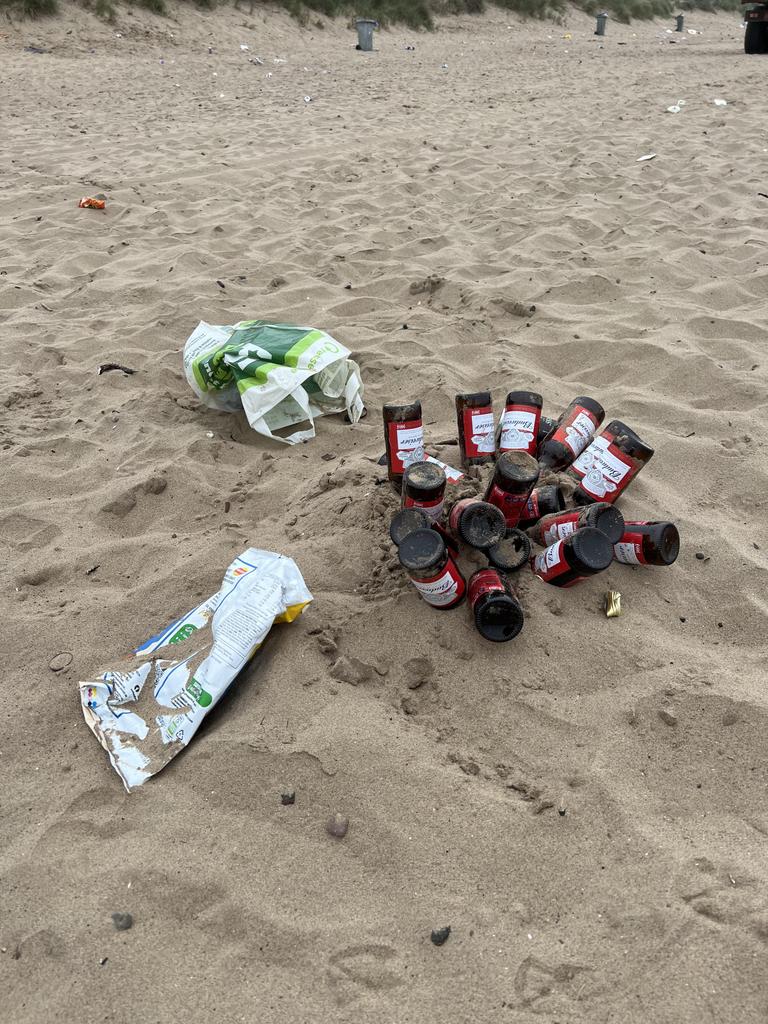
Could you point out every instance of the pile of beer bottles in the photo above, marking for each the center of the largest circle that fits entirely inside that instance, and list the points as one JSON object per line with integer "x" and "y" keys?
{"x": 552, "y": 482}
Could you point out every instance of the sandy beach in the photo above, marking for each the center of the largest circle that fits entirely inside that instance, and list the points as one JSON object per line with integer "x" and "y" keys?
{"x": 433, "y": 188}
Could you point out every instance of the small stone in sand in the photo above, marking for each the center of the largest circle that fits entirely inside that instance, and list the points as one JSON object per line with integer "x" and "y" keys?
{"x": 122, "y": 921}
{"x": 700, "y": 555}
{"x": 60, "y": 662}
{"x": 288, "y": 797}
{"x": 337, "y": 826}
{"x": 668, "y": 716}
{"x": 440, "y": 935}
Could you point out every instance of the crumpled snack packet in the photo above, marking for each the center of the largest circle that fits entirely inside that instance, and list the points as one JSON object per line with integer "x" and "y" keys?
{"x": 146, "y": 709}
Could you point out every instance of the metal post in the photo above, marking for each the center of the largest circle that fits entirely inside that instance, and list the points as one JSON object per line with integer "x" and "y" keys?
{"x": 680, "y": 19}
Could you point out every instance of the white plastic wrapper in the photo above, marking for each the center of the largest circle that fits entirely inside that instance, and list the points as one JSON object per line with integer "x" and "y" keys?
{"x": 147, "y": 709}
{"x": 282, "y": 376}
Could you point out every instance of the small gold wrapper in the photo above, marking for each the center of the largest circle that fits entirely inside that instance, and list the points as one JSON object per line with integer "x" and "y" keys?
{"x": 612, "y": 604}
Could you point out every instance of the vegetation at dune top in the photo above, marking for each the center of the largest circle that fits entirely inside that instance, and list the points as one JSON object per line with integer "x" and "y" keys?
{"x": 417, "y": 14}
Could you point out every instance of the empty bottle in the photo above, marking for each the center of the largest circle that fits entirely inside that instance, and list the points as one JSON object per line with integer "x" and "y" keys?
{"x": 511, "y": 553}
{"x": 477, "y": 523}
{"x": 648, "y": 544}
{"x": 573, "y": 433}
{"x": 406, "y": 521}
{"x": 474, "y": 418}
{"x": 424, "y": 487}
{"x": 431, "y": 568}
{"x": 497, "y": 612}
{"x": 514, "y": 477}
{"x": 543, "y": 501}
{"x": 609, "y": 464}
{"x": 567, "y": 562}
{"x": 519, "y": 423}
{"x": 601, "y": 516}
{"x": 404, "y": 439}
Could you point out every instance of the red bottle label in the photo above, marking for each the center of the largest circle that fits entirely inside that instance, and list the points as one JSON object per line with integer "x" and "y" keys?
{"x": 629, "y": 549}
{"x": 532, "y": 507}
{"x": 406, "y": 444}
{"x": 549, "y": 565}
{"x": 518, "y": 428}
{"x": 456, "y": 512}
{"x": 576, "y": 431}
{"x": 434, "y": 509}
{"x": 478, "y": 432}
{"x": 559, "y": 528}
{"x": 483, "y": 582}
{"x": 445, "y": 588}
{"x": 604, "y": 469}
{"x": 512, "y": 505}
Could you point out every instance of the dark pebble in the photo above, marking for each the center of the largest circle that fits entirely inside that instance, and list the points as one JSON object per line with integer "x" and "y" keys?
{"x": 700, "y": 555}
{"x": 122, "y": 921}
{"x": 440, "y": 935}
{"x": 221, "y": 284}
{"x": 288, "y": 798}
{"x": 405, "y": 327}
{"x": 227, "y": 506}
{"x": 337, "y": 826}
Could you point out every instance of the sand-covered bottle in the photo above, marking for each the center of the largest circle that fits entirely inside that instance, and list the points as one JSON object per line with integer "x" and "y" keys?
{"x": 514, "y": 477}
{"x": 432, "y": 569}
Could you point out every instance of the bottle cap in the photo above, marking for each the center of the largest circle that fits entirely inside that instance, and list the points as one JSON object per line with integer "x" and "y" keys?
{"x": 421, "y": 550}
{"x": 424, "y": 478}
{"x": 524, "y": 398}
{"x": 517, "y": 470}
{"x": 592, "y": 548}
{"x": 607, "y": 519}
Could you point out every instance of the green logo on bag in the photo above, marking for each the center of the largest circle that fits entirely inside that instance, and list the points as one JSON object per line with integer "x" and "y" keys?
{"x": 196, "y": 692}
{"x": 328, "y": 348}
{"x": 183, "y": 633}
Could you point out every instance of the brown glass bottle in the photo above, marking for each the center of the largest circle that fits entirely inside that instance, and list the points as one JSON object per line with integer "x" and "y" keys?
{"x": 474, "y": 419}
{"x": 424, "y": 487}
{"x": 514, "y": 477}
{"x": 477, "y": 523}
{"x": 406, "y": 521}
{"x": 607, "y": 466}
{"x": 648, "y": 544}
{"x": 432, "y": 570}
{"x": 569, "y": 561}
{"x": 404, "y": 439}
{"x": 547, "y": 426}
{"x": 601, "y": 516}
{"x": 519, "y": 423}
{"x": 511, "y": 553}
{"x": 573, "y": 433}
{"x": 497, "y": 612}
{"x": 543, "y": 501}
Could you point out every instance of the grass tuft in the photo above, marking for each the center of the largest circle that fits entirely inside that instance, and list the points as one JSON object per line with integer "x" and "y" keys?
{"x": 416, "y": 14}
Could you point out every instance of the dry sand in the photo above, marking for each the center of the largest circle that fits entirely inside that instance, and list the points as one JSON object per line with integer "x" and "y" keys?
{"x": 511, "y": 174}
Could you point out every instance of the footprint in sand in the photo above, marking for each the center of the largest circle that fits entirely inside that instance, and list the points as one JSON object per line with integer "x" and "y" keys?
{"x": 372, "y": 968}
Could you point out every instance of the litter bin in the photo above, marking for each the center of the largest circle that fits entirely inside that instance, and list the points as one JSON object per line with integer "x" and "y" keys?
{"x": 680, "y": 19}
{"x": 365, "y": 27}
{"x": 600, "y": 26}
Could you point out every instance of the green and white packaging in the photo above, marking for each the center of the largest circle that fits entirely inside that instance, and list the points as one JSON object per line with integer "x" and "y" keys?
{"x": 281, "y": 375}
{"x": 147, "y": 709}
